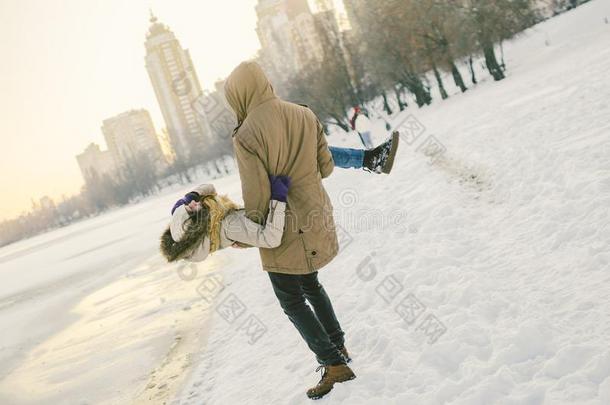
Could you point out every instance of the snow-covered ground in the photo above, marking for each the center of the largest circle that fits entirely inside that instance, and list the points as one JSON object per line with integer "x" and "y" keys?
{"x": 480, "y": 278}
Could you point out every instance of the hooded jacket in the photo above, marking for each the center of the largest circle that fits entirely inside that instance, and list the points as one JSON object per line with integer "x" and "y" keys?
{"x": 281, "y": 138}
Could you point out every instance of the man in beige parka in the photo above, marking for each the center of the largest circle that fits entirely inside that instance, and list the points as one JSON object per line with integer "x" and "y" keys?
{"x": 275, "y": 137}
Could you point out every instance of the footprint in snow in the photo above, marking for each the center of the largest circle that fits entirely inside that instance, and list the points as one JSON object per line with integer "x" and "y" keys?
{"x": 469, "y": 176}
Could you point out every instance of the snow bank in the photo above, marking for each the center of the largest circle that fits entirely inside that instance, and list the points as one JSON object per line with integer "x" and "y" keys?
{"x": 480, "y": 278}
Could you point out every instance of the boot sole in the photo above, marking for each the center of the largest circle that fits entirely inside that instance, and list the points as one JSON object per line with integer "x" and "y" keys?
{"x": 387, "y": 168}
{"x": 338, "y": 382}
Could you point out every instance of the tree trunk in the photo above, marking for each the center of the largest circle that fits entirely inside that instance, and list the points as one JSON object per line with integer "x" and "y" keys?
{"x": 185, "y": 176}
{"x": 422, "y": 97}
{"x": 502, "y": 64}
{"x": 401, "y": 104}
{"x": 423, "y": 89}
{"x": 422, "y": 94}
{"x": 217, "y": 166}
{"x": 386, "y": 105}
{"x": 439, "y": 81}
{"x": 340, "y": 124}
{"x": 414, "y": 84}
{"x": 457, "y": 77}
{"x": 473, "y": 78}
{"x": 492, "y": 63}
{"x": 418, "y": 88}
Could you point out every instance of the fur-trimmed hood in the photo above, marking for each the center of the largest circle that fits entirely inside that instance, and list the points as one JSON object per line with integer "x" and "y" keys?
{"x": 196, "y": 230}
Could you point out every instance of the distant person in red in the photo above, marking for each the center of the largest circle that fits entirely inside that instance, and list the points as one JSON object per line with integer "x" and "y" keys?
{"x": 362, "y": 124}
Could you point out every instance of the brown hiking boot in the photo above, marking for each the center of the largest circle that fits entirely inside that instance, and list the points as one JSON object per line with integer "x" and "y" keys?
{"x": 330, "y": 376}
{"x": 345, "y": 354}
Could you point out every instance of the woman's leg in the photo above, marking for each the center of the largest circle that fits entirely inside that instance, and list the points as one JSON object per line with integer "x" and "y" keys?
{"x": 347, "y": 158}
{"x": 377, "y": 160}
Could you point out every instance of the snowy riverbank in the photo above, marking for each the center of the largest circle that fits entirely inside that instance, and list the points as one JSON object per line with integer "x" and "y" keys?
{"x": 504, "y": 242}
{"x": 482, "y": 278}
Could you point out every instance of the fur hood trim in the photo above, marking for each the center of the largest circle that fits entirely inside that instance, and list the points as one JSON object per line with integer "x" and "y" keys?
{"x": 196, "y": 229}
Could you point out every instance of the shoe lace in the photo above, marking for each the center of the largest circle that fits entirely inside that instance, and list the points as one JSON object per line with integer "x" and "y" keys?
{"x": 323, "y": 370}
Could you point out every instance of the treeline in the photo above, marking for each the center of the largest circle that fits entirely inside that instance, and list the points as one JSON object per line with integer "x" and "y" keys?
{"x": 405, "y": 51}
{"x": 560, "y": 6}
{"x": 136, "y": 180}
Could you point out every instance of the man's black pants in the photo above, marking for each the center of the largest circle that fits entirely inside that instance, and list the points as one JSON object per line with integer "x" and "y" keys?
{"x": 320, "y": 328}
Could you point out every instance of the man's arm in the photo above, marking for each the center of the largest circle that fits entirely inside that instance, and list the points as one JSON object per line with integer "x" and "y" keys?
{"x": 238, "y": 228}
{"x": 255, "y": 187}
{"x": 325, "y": 159}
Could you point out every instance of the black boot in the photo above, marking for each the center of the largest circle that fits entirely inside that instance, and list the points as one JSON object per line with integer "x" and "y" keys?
{"x": 381, "y": 158}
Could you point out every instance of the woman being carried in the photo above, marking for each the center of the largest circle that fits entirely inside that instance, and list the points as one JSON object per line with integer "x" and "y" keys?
{"x": 204, "y": 222}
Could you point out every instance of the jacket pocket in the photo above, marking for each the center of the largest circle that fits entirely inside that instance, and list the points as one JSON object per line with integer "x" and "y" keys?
{"x": 308, "y": 253}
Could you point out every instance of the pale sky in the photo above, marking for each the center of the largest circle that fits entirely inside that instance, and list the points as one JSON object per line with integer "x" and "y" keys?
{"x": 66, "y": 65}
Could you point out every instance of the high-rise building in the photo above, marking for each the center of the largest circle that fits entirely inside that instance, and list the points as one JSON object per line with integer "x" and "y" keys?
{"x": 355, "y": 10}
{"x": 288, "y": 34}
{"x": 95, "y": 163}
{"x": 130, "y": 135}
{"x": 323, "y": 5}
{"x": 275, "y": 35}
{"x": 177, "y": 89}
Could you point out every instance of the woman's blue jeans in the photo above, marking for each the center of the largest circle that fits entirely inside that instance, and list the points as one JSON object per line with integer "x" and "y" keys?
{"x": 347, "y": 158}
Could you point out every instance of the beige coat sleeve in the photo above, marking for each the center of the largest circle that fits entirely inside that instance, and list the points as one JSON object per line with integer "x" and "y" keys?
{"x": 239, "y": 228}
{"x": 325, "y": 158}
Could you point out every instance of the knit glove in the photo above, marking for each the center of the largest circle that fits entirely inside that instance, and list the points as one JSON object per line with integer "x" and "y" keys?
{"x": 279, "y": 187}
{"x": 186, "y": 200}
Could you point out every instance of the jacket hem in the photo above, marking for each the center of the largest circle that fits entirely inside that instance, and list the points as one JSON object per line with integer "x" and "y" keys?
{"x": 302, "y": 270}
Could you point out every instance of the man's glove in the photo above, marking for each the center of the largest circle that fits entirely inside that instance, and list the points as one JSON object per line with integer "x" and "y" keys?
{"x": 279, "y": 187}
{"x": 186, "y": 200}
